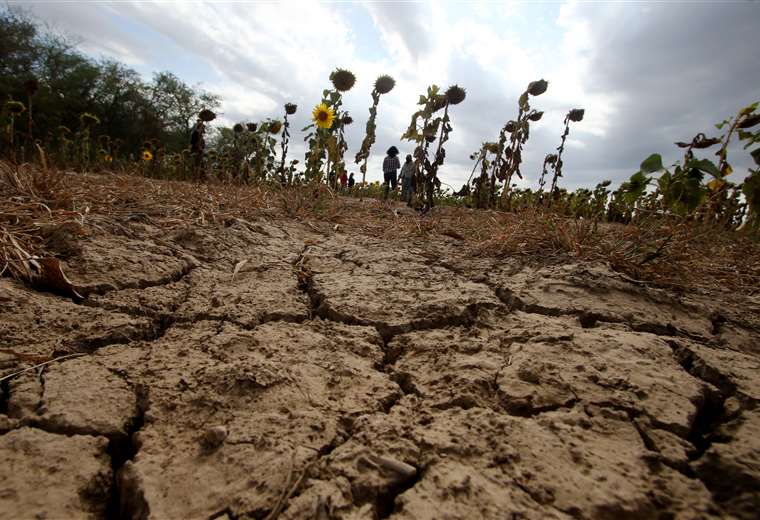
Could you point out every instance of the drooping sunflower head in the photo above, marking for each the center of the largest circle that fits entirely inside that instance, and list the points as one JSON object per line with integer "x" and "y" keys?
{"x": 88, "y": 119}
{"x": 323, "y": 116}
{"x": 455, "y": 94}
{"x": 206, "y": 115}
{"x": 290, "y": 108}
{"x": 536, "y": 88}
{"x": 576, "y": 115}
{"x": 15, "y": 107}
{"x": 251, "y": 127}
{"x": 275, "y": 127}
{"x": 64, "y": 130}
{"x": 384, "y": 84}
{"x": 342, "y": 79}
{"x": 347, "y": 120}
{"x": 147, "y": 155}
{"x": 237, "y": 128}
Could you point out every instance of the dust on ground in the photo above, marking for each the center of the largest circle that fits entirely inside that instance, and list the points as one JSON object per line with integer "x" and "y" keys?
{"x": 268, "y": 367}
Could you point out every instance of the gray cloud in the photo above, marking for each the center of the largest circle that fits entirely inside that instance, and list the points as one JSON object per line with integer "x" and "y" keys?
{"x": 665, "y": 71}
{"x": 677, "y": 68}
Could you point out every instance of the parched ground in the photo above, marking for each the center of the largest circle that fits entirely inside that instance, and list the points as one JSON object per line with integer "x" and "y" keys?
{"x": 273, "y": 367}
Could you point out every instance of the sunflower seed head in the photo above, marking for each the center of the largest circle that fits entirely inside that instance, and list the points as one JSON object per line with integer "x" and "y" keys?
{"x": 455, "y": 94}
{"x": 206, "y": 115}
{"x": 290, "y": 108}
{"x": 237, "y": 128}
{"x": 343, "y": 80}
{"x": 384, "y": 84}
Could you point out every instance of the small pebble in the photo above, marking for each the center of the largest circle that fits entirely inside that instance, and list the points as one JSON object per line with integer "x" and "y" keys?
{"x": 214, "y": 437}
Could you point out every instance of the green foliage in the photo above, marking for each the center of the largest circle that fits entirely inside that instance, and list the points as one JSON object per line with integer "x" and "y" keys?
{"x": 129, "y": 109}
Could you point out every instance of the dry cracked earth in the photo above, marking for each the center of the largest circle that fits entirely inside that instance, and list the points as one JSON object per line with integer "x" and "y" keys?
{"x": 276, "y": 369}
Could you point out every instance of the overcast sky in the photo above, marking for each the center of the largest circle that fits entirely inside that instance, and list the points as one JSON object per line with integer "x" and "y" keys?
{"x": 647, "y": 73}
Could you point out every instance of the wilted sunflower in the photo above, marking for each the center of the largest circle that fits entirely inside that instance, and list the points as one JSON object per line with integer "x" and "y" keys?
{"x": 455, "y": 94}
{"x": 251, "y": 127}
{"x": 237, "y": 128}
{"x": 275, "y": 127}
{"x": 290, "y": 108}
{"x": 384, "y": 84}
{"x": 536, "y": 88}
{"x": 15, "y": 107}
{"x": 492, "y": 147}
{"x": 147, "y": 155}
{"x": 323, "y": 116}
{"x": 347, "y": 120}
{"x": 576, "y": 114}
{"x": 206, "y": 115}
{"x": 342, "y": 79}
{"x": 63, "y": 130}
{"x": 88, "y": 119}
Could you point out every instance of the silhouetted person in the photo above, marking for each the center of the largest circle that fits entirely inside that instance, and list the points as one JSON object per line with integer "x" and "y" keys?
{"x": 407, "y": 180}
{"x": 197, "y": 144}
{"x": 390, "y": 165}
{"x": 351, "y": 181}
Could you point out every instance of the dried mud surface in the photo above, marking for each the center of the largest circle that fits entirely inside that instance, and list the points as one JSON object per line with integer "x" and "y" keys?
{"x": 276, "y": 369}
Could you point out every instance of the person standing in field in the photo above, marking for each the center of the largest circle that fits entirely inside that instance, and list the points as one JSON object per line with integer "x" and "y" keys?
{"x": 390, "y": 165}
{"x": 351, "y": 181}
{"x": 197, "y": 144}
{"x": 343, "y": 181}
{"x": 407, "y": 180}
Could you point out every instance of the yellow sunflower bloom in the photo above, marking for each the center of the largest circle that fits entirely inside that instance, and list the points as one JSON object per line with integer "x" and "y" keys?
{"x": 108, "y": 158}
{"x": 147, "y": 156}
{"x": 323, "y": 116}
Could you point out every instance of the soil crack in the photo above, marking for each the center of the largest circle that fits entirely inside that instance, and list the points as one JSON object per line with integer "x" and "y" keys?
{"x": 127, "y": 499}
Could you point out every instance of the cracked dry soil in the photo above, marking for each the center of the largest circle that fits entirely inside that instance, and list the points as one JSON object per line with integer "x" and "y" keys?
{"x": 336, "y": 376}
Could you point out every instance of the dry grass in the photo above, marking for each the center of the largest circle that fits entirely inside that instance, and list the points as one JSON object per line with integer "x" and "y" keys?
{"x": 674, "y": 254}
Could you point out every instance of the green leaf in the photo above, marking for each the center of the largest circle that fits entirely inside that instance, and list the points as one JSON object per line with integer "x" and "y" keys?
{"x": 652, "y": 164}
{"x": 706, "y": 166}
